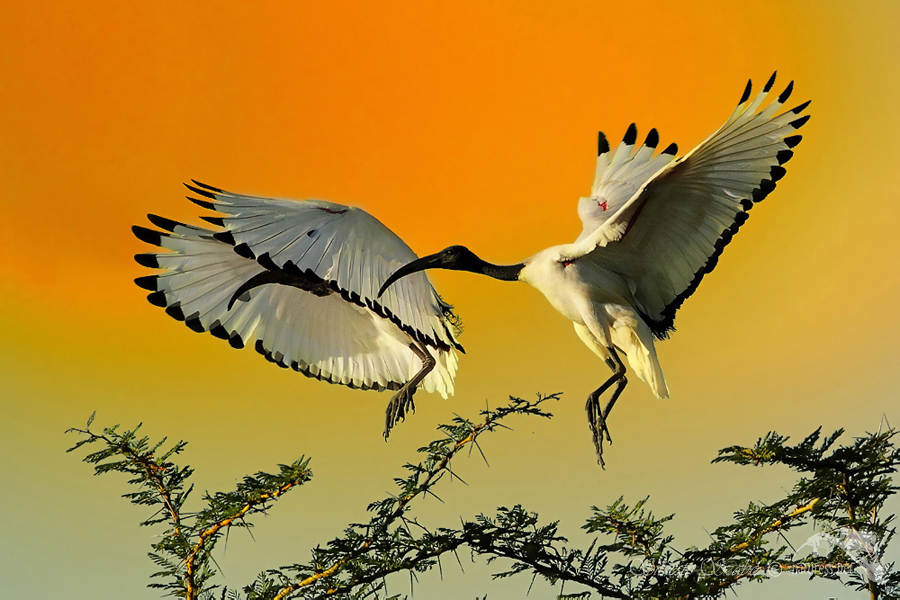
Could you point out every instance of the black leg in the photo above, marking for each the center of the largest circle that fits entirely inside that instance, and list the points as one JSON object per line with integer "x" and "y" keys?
{"x": 597, "y": 417}
{"x": 402, "y": 402}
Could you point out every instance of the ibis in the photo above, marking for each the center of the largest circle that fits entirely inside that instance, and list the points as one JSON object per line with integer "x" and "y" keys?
{"x": 327, "y": 290}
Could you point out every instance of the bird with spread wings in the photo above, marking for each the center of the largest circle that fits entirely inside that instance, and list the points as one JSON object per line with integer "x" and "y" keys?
{"x": 328, "y": 291}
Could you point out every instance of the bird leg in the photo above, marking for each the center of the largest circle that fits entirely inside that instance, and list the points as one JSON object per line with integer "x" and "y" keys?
{"x": 402, "y": 402}
{"x": 597, "y": 417}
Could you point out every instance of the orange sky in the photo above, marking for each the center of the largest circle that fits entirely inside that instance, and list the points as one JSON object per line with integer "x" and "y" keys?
{"x": 472, "y": 124}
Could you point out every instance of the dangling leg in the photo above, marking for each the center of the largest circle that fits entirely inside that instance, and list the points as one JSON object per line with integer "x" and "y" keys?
{"x": 402, "y": 402}
{"x": 597, "y": 417}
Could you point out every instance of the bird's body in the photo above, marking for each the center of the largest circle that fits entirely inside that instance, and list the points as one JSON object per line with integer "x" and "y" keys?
{"x": 599, "y": 303}
{"x": 328, "y": 290}
{"x": 298, "y": 282}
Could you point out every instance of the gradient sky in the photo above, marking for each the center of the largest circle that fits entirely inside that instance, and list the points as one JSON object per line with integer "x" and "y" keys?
{"x": 453, "y": 123}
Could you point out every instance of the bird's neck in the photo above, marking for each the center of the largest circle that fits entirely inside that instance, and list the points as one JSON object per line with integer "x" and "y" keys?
{"x": 501, "y": 272}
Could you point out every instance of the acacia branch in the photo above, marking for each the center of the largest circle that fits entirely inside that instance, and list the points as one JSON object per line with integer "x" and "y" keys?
{"x": 404, "y": 501}
{"x": 432, "y": 476}
{"x": 775, "y": 525}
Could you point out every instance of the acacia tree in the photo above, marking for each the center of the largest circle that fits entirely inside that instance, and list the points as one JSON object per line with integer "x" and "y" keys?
{"x": 841, "y": 489}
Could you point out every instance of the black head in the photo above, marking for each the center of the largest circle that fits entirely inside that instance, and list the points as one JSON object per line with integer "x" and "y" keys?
{"x": 456, "y": 258}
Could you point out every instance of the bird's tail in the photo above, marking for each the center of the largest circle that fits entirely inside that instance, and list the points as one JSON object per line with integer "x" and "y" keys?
{"x": 637, "y": 342}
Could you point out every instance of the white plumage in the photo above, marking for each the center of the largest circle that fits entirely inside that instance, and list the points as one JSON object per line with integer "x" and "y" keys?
{"x": 328, "y": 290}
{"x": 337, "y": 330}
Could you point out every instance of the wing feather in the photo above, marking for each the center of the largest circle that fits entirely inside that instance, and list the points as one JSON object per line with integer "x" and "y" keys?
{"x": 345, "y": 243}
{"x": 671, "y": 230}
{"x": 339, "y": 337}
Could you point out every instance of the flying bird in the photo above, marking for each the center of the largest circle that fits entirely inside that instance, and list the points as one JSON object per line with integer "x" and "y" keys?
{"x": 327, "y": 290}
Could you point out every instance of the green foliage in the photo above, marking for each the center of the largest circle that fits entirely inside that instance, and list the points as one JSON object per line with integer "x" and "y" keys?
{"x": 842, "y": 490}
{"x": 184, "y": 552}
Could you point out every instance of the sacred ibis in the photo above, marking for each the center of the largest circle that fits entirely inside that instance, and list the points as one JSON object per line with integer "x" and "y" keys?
{"x": 327, "y": 290}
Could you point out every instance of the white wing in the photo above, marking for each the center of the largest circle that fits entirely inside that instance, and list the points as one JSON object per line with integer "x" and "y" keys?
{"x": 620, "y": 173}
{"x": 336, "y": 336}
{"x": 676, "y": 223}
{"x": 343, "y": 245}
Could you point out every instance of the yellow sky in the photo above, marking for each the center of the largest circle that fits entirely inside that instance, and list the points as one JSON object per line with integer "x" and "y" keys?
{"x": 472, "y": 125}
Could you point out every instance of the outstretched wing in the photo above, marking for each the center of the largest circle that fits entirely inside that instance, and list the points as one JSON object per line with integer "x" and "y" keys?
{"x": 342, "y": 245}
{"x": 620, "y": 174}
{"x": 324, "y": 321}
{"x": 672, "y": 229}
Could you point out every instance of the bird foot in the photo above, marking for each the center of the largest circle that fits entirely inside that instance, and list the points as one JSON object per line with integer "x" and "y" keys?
{"x": 401, "y": 404}
{"x": 598, "y": 426}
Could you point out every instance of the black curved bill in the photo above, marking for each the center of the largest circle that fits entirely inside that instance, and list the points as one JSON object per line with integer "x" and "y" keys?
{"x": 420, "y": 264}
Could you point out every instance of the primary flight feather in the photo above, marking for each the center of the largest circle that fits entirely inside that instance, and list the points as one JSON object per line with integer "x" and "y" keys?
{"x": 329, "y": 291}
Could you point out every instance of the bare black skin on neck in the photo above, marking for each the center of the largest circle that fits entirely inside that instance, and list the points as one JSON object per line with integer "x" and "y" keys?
{"x": 455, "y": 258}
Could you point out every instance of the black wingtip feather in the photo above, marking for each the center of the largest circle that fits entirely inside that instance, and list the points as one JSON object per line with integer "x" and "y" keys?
{"x": 783, "y": 156}
{"x": 777, "y": 173}
{"x": 201, "y": 191}
{"x": 175, "y": 312}
{"x": 147, "y": 260}
{"x": 652, "y": 140}
{"x": 147, "y": 282}
{"x": 203, "y": 203}
{"x": 225, "y": 237}
{"x": 236, "y": 341}
{"x": 799, "y": 109}
{"x": 220, "y": 332}
{"x": 157, "y": 299}
{"x": 245, "y": 251}
{"x": 792, "y": 140}
{"x": 799, "y": 122}
{"x": 671, "y": 149}
{"x": 163, "y": 223}
{"x": 208, "y": 187}
{"x": 786, "y": 93}
{"x": 194, "y": 324}
{"x": 747, "y": 90}
{"x": 148, "y": 236}
{"x": 770, "y": 83}
{"x": 630, "y": 135}
{"x": 219, "y": 221}
{"x": 602, "y": 143}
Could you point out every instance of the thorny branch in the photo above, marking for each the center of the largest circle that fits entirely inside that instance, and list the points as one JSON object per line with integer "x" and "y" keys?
{"x": 842, "y": 489}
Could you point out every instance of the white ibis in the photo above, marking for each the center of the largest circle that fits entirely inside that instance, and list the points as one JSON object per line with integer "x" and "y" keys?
{"x": 328, "y": 290}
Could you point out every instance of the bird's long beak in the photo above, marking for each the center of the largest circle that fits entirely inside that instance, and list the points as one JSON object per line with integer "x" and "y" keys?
{"x": 420, "y": 264}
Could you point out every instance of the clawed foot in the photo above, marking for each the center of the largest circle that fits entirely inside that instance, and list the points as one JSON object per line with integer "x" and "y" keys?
{"x": 398, "y": 407}
{"x": 599, "y": 429}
